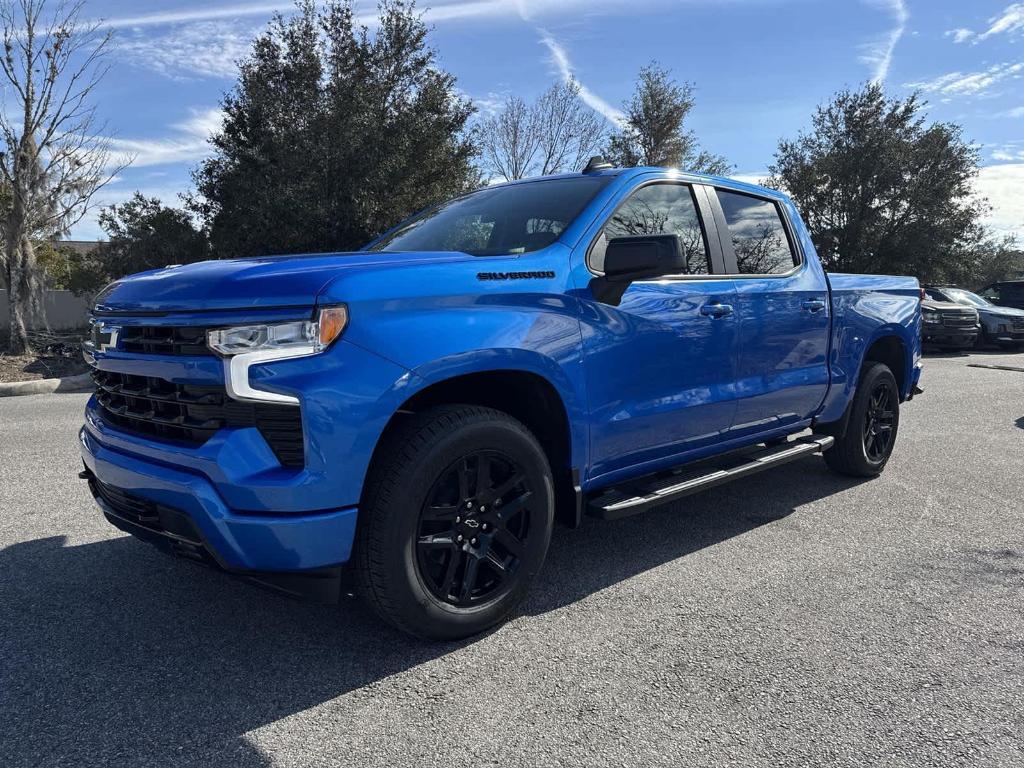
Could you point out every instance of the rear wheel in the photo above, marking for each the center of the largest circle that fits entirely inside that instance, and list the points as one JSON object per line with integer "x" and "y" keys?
{"x": 455, "y": 522}
{"x": 864, "y": 449}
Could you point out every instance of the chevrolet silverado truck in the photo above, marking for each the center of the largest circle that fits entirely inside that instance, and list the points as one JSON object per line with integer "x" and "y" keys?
{"x": 417, "y": 415}
{"x": 948, "y": 325}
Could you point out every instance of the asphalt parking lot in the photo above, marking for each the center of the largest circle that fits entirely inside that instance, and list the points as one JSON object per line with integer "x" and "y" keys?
{"x": 798, "y": 618}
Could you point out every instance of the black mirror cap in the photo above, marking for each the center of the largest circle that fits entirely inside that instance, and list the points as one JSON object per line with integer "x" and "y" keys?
{"x": 641, "y": 256}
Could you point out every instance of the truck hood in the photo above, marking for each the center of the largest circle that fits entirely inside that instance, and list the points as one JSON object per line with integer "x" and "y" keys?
{"x": 947, "y": 306}
{"x": 265, "y": 282}
{"x": 1001, "y": 311}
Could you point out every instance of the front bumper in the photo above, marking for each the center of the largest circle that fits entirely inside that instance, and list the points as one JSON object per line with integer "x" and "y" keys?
{"x": 299, "y": 554}
{"x": 949, "y": 337}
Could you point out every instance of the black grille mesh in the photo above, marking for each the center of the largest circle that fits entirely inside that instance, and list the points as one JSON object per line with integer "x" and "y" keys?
{"x": 157, "y": 408}
{"x": 164, "y": 340}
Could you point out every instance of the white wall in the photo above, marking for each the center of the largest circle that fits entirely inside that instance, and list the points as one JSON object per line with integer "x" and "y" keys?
{"x": 64, "y": 310}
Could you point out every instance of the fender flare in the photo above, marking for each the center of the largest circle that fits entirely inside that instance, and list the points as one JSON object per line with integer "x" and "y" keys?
{"x": 481, "y": 361}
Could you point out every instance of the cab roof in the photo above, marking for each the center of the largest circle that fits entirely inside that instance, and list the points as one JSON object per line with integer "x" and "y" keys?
{"x": 674, "y": 173}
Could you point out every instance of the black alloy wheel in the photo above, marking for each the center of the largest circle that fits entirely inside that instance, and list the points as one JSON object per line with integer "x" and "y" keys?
{"x": 879, "y": 419}
{"x": 865, "y": 442}
{"x": 455, "y": 521}
{"x": 474, "y": 528}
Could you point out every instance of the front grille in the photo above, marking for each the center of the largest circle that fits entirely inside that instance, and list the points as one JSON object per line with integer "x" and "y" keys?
{"x": 955, "y": 319}
{"x": 132, "y": 508}
{"x": 155, "y": 522}
{"x": 183, "y": 413}
{"x": 164, "y": 340}
{"x": 1018, "y": 323}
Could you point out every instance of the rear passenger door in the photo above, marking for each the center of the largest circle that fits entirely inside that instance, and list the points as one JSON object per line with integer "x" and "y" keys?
{"x": 783, "y": 308}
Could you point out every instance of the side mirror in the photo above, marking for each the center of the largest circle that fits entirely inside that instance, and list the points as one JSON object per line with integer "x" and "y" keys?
{"x": 642, "y": 256}
{"x": 638, "y": 257}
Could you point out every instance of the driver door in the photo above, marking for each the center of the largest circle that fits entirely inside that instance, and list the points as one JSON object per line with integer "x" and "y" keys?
{"x": 660, "y": 366}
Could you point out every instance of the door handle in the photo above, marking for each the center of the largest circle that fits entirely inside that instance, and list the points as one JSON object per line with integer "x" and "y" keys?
{"x": 814, "y": 305}
{"x": 716, "y": 310}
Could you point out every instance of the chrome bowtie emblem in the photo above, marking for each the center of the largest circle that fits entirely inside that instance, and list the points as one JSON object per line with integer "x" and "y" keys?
{"x": 472, "y": 523}
{"x": 104, "y": 337}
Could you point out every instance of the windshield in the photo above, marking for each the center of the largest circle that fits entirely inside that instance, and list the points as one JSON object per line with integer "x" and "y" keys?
{"x": 518, "y": 218}
{"x": 960, "y": 296}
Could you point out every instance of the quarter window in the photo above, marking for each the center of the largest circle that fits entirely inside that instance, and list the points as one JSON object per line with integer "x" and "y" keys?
{"x": 658, "y": 209}
{"x": 758, "y": 235}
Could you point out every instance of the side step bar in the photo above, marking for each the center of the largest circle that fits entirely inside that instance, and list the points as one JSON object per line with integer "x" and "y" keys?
{"x": 640, "y": 495}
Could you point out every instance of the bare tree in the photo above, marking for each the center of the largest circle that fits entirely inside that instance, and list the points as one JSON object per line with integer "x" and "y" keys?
{"x": 56, "y": 156}
{"x": 508, "y": 140}
{"x": 568, "y": 131}
{"x": 557, "y": 133}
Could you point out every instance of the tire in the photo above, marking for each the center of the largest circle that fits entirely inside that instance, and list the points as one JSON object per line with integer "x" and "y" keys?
{"x": 410, "y": 564}
{"x": 865, "y": 448}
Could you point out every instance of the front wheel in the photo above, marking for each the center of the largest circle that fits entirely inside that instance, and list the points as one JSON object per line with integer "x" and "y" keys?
{"x": 455, "y": 522}
{"x": 864, "y": 449}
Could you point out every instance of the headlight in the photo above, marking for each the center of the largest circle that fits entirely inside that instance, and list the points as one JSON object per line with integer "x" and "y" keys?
{"x": 931, "y": 317}
{"x": 243, "y": 346}
{"x": 297, "y": 338}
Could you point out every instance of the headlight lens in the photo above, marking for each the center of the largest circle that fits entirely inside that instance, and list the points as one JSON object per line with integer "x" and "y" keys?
{"x": 931, "y": 317}
{"x": 300, "y": 337}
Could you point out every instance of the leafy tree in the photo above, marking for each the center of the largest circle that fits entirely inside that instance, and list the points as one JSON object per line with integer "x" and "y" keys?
{"x": 55, "y": 154}
{"x": 986, "y": 262}
{"x": 654, "y": 131}
{"x": 142, "y": 234}
{"x": 883, "y": 190}
{"x": 333, "y": 134}
{"x": 57, "y": 264}
{"x": 555, "y": 134}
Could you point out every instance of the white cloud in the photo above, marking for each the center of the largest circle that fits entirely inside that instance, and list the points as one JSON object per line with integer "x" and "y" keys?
{"x": 205, "y": 48}
{"x": 959, "y": 35}
{"x": 878, "y": 54}
{"x": 755, "y": 178}
{"x": 1011, "y": 20}
{"x": 560, "y": 58}
{"x": 970, "y": 83}
{"x": 1002, "y": 185}
{"x": 437, "y": 11}
{"x": 190, "y": 142}
{"x": 491, "y": 104}
{"x": 197, "y": 14}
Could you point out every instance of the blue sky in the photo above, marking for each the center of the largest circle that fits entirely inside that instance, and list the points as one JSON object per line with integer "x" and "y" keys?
{"x": 759, "y": 68}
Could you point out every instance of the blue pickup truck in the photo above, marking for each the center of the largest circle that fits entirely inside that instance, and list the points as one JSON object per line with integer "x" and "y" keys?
{"x": 417, "y": 415}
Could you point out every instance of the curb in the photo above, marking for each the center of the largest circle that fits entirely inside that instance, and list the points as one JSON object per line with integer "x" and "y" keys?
{"x": 996, "y": 367}
{"x": 80, "y": 383}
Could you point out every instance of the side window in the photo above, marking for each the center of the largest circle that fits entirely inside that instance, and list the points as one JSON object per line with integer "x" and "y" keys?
{"x": 991, "y": 293}
{"x": 658, "y": 209}
{"x": 758, "y": 234}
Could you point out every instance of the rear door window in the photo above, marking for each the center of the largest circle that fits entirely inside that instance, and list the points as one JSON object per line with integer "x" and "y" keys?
{"x": 758, "y": 234}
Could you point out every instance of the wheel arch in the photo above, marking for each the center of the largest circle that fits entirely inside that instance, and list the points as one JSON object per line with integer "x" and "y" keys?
{"x": 887, "y": 346}
{"x": 890, "y": 349}
{"x": 548, "y": 409}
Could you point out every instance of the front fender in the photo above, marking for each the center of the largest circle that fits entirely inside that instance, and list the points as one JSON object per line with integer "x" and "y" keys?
{"x": 519, "y": 360}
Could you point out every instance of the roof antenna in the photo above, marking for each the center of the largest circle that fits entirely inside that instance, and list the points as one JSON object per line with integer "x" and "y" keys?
{"x": 597, "y": 163}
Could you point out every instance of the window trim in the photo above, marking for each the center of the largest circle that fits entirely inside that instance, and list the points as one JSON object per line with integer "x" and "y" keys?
{"x": 699, "y": 195}
{"x": 732, "y": 266}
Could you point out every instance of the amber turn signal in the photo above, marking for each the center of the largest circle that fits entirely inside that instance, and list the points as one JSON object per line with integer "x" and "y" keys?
{"x": 332, "y": 321}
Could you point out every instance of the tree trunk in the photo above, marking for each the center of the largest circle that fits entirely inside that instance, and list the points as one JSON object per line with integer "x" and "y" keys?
{"x": 18, "y": 293}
